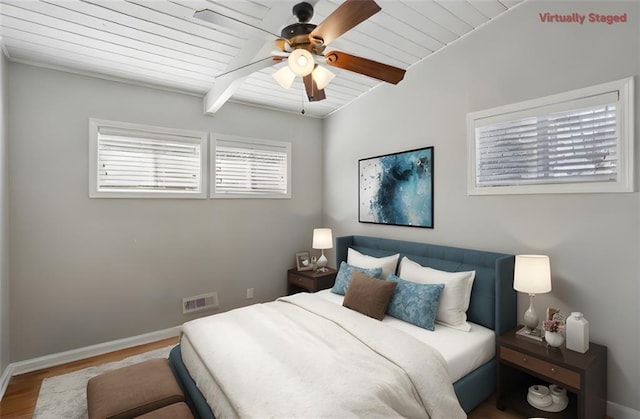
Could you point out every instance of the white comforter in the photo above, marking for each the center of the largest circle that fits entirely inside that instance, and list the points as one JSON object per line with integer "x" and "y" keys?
{"x": 302, "y": 356}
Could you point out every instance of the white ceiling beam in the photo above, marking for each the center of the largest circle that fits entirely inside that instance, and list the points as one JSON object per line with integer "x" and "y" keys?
{"x": 227, "y": 84}
{"x": 242, "y": 66}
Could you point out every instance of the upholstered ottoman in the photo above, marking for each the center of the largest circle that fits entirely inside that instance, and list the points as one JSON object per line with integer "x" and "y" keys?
{"x": 173, "y": 411}
{"x": 132, "y": 391}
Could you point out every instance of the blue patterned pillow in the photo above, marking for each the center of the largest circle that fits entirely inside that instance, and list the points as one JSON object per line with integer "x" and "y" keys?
{"x": 344, "y": 276}
{"x": 415, "y": 303}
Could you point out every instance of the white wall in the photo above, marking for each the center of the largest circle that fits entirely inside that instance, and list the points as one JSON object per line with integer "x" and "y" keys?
{"x": 4, "y": 217}
{"x": 86, "y": 271}
{"x": 592, "y": 240}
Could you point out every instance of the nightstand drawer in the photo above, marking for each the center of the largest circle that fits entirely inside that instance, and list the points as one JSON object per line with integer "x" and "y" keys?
{"x": 547, "y": 369}
{"x": 301, "y": 281}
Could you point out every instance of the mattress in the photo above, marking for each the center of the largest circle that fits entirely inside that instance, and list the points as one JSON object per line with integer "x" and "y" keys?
{"x": 463, "y": 352}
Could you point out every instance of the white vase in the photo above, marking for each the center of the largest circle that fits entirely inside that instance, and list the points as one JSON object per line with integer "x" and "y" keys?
{"x": 554, "y": 339}
{"x": 577, "y": 333}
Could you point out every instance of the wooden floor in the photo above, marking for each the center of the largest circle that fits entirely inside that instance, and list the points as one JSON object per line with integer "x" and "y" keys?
{"x": 19, "y": 400}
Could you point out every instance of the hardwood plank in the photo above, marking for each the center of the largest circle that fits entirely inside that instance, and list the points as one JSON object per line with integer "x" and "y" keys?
{"x": 20, "y": 398}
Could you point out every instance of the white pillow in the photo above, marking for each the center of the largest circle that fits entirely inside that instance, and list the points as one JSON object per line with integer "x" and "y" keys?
{"x": 454, "y": 300}
{"x": 387, "y": 263}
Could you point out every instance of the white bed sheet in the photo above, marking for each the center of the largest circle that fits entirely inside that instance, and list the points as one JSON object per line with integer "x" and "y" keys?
{"x": 201, "y": 375}
{"x": 462, "y": 351}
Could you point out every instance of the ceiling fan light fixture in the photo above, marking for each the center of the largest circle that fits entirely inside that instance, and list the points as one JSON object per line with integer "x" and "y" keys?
{"x": 285, "y": 77}
{"x": 301, "y": 62}
{"x": 322, "y": 77}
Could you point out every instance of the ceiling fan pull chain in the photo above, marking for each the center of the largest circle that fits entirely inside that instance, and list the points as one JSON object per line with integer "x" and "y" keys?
{"x": 302, "y": 101}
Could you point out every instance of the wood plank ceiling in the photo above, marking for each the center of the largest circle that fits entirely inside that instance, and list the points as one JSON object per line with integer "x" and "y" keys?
{"x": 159, "y": 42}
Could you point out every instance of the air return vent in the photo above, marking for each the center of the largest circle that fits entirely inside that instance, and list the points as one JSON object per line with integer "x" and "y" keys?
{"x": 200, "y": 302}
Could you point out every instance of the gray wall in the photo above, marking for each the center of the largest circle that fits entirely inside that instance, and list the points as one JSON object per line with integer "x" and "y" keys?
{"x": 4, "y": 217}
{"x": 593, "y": 240}
{"x": 85, "y": 271}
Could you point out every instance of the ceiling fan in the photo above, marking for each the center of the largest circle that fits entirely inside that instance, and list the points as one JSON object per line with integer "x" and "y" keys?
{"x": 303, "y": 43}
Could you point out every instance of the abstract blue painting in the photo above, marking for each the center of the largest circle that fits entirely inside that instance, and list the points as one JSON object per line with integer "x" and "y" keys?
{"x": 397, "y": 188}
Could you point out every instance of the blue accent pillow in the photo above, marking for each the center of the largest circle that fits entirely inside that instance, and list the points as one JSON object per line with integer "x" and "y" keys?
{"x": 415, "y": 303}
{"x": 346, "y": 272}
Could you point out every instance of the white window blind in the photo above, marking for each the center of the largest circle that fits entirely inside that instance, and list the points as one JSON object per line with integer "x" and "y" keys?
{"x": 578, "y": 141}
{"x": 136, "y": 161}
{"x": 249, "y": 168}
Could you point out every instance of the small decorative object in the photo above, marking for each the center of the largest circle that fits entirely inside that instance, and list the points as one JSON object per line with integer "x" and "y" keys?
{"x": 577, "y": 333}
{"x": 303, "y": 261}
{"x": 554, "y": 339}
{"x": 548, "y": 399}
{"x": 322, "y": 239}
{"x": 314, "y": 262}
{"x": 553, "y": 329}
{"x": 559, "y": 396}
{"x": 539, "y": 396}
{"x": 397, "y": 189}
{"x": 532, "y": 274}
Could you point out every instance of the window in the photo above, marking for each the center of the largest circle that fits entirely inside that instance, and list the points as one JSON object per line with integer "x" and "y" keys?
{"x": 575, "y": 142}
{"x": 250, "y": 168}
{"x": 137, "y": 161}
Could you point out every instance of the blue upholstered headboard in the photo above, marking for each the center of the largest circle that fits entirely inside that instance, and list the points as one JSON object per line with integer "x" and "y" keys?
{"x": 493, "y": 299}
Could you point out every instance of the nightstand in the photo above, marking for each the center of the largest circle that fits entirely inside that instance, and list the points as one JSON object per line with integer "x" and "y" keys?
{"x": 309, "y": 281}
{"x": 523, "y": 362}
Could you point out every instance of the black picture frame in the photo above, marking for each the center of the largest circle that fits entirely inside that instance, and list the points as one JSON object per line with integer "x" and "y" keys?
{"x": 397, "y": 189}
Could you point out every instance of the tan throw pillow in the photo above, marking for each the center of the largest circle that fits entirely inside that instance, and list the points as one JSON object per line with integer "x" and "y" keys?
{"x": 369, "y": 296}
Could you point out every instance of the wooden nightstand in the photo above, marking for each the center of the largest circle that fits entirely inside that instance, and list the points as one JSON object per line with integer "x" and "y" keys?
{"x": 523, "y": 362}
{"x": 309, "y": 281}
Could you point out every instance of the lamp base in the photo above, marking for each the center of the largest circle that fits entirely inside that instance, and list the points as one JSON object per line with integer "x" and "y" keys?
{"x": 535, "y": 334}
{"x": 321, "y": 264}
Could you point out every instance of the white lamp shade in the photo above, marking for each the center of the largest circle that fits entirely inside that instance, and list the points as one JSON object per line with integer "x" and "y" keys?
{"x": 322, "y": 77}
{"x": 301, "y": 62}
{"x": 322, "y": 238}
{"x": 532, "y": 274}
{"x": 285, "y": 77}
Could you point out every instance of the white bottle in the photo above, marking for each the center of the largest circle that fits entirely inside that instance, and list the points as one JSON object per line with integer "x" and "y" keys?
{"x": 577, "y": 329}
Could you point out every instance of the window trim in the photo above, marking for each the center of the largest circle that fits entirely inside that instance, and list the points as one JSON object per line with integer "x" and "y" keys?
{"x": 554, "y": 103}
{"x": 190, "y": 136}
{"x": 212, "y": 181}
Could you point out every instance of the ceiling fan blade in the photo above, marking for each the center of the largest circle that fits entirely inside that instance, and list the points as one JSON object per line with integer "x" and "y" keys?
{"x": 348, "y": 15}
{"x": 313, "y": 93}
{"x": 365, "y": 66}
{"x": 229, "y": 22}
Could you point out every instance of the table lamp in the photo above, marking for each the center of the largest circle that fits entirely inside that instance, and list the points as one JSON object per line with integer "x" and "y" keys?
{"x": 322, "y": 239}
{"x": 532, "y": 274}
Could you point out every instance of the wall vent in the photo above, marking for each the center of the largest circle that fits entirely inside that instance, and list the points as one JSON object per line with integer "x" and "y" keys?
{"x": 200, "y": 302}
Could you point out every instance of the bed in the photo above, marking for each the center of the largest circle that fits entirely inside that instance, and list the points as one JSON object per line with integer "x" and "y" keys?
{"x": 491, "y": 312}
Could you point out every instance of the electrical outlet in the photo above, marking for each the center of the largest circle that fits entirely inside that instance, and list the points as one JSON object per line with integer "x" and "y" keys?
{"x": 249, "y": 293}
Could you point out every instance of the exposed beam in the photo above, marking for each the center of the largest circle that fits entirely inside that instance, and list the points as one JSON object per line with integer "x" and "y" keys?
{"x": 248, "y": 60}
{"x": 227, "y": 84}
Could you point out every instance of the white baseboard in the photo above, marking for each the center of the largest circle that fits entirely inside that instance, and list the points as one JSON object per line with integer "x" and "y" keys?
{"x": 48, "y": 361}
{"x": 618, "y": 411}
{"x": 4, "y": 379}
